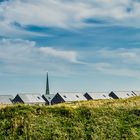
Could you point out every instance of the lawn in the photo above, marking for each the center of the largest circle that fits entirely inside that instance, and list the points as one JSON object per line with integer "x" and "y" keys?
{"x": 88, "y": 120}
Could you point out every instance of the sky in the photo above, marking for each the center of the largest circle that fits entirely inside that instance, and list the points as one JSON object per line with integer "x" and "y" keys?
{"x": 85, "y": 45}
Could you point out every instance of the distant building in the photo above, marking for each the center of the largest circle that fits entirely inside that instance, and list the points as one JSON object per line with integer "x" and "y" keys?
{"x": 67, "y": 97}
{"x": 137, "y": 93}
{"x": 48, "y": 98}
{"x": 29, "y": 99}
{"x": 121, "y": 94}
{"x": 6, "y": 99}
{"x": 97, "y": 95}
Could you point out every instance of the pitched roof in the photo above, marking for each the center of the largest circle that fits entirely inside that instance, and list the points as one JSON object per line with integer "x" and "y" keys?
{"x": 99, "y": 95}
{"x": 6, "y": 99}
{"x": 31, "y": 98}
{"x": 124, "y": 94}
{"x": 49, "y": 97}
{"x": 69, "y": 97}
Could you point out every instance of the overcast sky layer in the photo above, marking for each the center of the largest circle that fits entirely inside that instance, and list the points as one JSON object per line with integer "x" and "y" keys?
{"x": 85, "y": 45}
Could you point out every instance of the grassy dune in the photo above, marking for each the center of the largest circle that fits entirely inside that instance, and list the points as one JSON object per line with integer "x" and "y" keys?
{"x": 90, "y": 120}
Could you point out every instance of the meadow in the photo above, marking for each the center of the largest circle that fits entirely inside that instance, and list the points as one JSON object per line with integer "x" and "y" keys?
{"x": 87, "y": 120}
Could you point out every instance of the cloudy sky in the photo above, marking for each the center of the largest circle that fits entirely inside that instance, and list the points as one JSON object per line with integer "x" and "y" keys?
{"x": 85, "y": 45}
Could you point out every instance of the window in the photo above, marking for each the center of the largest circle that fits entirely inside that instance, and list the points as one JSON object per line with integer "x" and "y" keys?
{"x": 77, "y": 96}
{"x": 64, "y": 96}
{"x": 38, "y": 98}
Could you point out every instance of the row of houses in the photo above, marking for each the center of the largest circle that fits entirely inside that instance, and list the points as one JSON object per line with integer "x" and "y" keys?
{"x": 50, "y": 99}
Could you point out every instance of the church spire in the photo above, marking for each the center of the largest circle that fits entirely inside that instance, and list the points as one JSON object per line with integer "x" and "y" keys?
{"x": 47, "y": 85}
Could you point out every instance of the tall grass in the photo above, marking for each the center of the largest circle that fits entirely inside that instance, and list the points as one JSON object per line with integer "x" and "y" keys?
{"x": 90, "y": 120}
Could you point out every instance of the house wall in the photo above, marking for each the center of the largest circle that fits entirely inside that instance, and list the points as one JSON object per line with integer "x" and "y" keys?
{"x": 113, "y": 95}
{"x": 17, "y": 99}
{"x": 87, "y": 96}
{"x": 57, "y": 99}
{"x": 47, "y": 102}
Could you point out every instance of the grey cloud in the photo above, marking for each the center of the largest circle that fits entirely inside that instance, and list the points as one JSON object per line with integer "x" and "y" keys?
{"x": 69, "y": 14}
{"x": 17, "y": 55}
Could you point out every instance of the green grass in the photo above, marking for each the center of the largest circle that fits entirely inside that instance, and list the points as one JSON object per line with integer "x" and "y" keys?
{"x": 90, "y": 120}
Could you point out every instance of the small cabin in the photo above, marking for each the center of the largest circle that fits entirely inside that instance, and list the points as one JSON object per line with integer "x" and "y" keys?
{"x": 97, "y": 95}
{"x": 29, "y": 99}
{"x": 121, "y": 94}
{"x": 136, "y": 93}
{"x": 68, "y": 97}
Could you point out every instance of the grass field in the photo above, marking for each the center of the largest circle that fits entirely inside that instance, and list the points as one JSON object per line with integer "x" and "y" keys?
{"x": 89, "y": 120}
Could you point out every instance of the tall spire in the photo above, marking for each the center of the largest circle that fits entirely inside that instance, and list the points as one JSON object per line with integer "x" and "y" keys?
{"x": 47, "y": 85}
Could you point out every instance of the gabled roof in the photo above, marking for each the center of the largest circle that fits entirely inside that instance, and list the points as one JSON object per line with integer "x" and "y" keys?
{"x": 99, "y": 95}
{"x": 137, "y": 93}
{"x": 6, "y": 99}
{"x": 31, "y": 98}
{"x": 49, "y": 97}
{"x": 70, "y": 97}
{"x": 124, "y": 94}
